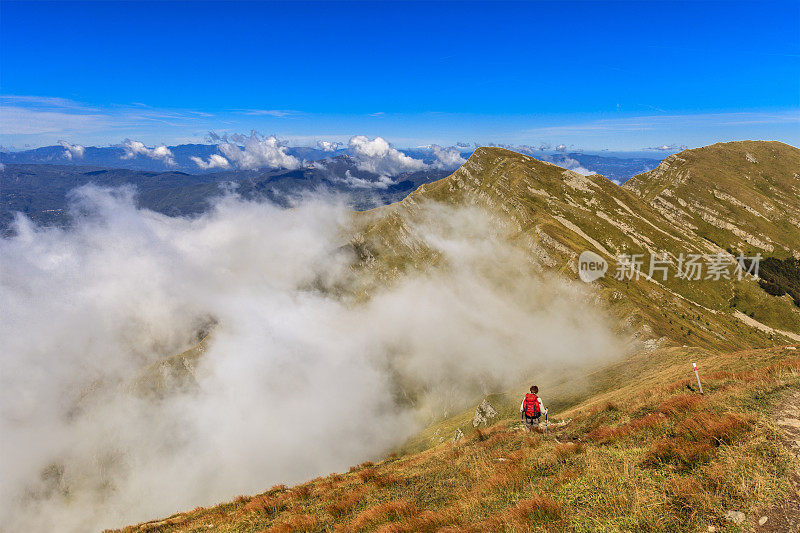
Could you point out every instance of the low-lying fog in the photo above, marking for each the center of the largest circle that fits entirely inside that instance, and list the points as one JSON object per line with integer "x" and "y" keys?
{"x": 296, "y": 381}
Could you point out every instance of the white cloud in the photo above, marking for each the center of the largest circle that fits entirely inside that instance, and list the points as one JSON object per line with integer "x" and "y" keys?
{"x": 447, "y": 158}
{"x": 328, "y": 146}
{"x": 134, "y": 148}
{"x": 382, "y": 182}
{"x": 214, "y": 161}
{"x": 72, "y": 150}
{"x": 258, "y": 152}
{"x": 377, "y": 156}
{"x": 561, "y": 147}
{"x": 667, "y": 147}
{"x": 568, "y": 163}
{"x": 525, "y": 149}
{"x": 575, "y": 166}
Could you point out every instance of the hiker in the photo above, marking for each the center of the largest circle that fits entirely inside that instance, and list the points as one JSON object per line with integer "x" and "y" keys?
{"x": 532, "y": 408}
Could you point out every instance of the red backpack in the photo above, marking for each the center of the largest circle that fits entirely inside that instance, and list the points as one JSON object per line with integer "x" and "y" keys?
{"x": 532, "y": 405}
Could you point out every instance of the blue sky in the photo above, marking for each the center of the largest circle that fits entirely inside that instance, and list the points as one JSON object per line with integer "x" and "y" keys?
{"x": 591, "y": 75}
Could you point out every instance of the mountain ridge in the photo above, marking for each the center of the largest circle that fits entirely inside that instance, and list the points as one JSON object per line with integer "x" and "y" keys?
{"x": 558, "y": 213}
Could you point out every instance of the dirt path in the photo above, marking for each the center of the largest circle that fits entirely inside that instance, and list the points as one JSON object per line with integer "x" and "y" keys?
{"x": 786, "y": 517}
{"x": 763, "y": 327}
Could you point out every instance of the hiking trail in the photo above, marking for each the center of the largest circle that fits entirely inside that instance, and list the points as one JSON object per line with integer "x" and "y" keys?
{"x": 786, "y": 516}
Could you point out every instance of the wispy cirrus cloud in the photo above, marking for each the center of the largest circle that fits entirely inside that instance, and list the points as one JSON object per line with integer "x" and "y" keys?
{"x": 44, "y": 102}
{"x": 30, "y": 115}
{"x": 656, "y": 122}
{"x": 278, "y": 113}
{"x": 30, "y": 120}
{"x": 661, "y": 132}
{"x": 46, "y": 120}
{"x": 23, "y": 121}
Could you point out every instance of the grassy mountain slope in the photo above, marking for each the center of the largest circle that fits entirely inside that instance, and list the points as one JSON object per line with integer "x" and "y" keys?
{"x": 740, "y": 195}
{"x": 647, "y": 455}
{"x": 642, "y": 452}
{"x": 555, "y": 214}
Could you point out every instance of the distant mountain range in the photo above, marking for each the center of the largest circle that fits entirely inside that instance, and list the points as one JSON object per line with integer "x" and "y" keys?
{"x": 616, "y": 167}
{"x": 37, "y": 182}
{"x": 114, "y": 157}
{"x": 40, "y": 191}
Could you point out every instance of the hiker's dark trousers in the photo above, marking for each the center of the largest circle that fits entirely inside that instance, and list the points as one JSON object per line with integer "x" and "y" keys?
{"x": 532, "y": 420}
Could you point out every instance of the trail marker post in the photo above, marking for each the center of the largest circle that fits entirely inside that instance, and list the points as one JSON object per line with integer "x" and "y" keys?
{"x": 697, "y": 375}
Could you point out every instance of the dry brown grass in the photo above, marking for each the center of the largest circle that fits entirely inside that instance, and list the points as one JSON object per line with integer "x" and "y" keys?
{"x": 536, "y": 509}
{"x": 713, "y": 428}
{"x": 681, "y": 404}
{"x": 684, "y": 492}
{"x": 649, "y": 421}
{"x": 368, "y": 474}
{"x": 270, "y": 505}
{"x": 495, "y": 439}
{"x": 389, "y": 480}
{"x": 384, "y": 512}
{"x": 424, "y": 522}
{"x": 296, "y": 523}
{"x": 303, "y": 491}
{"x": 344, "y": 503}
{"x": 722, "y": 375}
{"x": 678, "y": 451}
{"x": 532, "y": 441}
{"x": 608, "y": 434}
{"x": 506, "y": 477}
{"x": 566, "y": 450}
